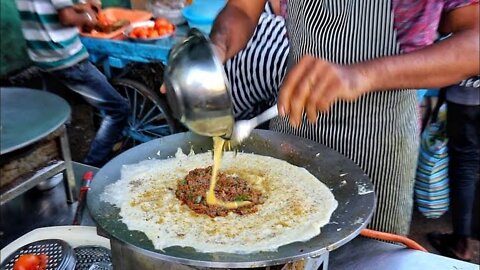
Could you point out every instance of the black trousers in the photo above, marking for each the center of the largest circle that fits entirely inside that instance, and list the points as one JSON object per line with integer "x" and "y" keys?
{"x": 463, "y": 128}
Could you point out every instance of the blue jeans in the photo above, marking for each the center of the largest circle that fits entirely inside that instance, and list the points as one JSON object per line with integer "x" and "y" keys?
{"x": 463, "y": 128}
{"x": 85, "y": 79}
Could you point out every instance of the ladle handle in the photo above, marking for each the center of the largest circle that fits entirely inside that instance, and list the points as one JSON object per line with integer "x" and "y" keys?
{"x": 266, "y": 115}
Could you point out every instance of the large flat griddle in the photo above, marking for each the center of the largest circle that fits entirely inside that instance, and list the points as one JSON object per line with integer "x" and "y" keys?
{"x": 349, "y": 184}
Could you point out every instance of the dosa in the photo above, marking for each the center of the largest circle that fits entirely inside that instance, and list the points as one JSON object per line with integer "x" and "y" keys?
{"x": 296, "y": 204}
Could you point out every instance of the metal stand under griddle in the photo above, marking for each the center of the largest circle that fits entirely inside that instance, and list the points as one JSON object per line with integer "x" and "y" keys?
{"x": 126, "y": 258}
{"x": 319, "y": 262}
{"x": 29, "y": 180}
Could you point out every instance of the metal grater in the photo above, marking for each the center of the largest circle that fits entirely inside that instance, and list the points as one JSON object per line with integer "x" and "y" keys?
{"x": 60, "y": 254}
{"x": 93, "y": 257}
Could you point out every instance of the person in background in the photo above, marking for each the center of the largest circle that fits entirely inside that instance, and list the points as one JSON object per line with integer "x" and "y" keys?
{"x": 463, "y": 131}
{"x": 51, "y": 30}
{"x": 351, "y": 64}
{"x": 257, "y": 71}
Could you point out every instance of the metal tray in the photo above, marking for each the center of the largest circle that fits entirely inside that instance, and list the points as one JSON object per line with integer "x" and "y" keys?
{"x": 349, "y": 184}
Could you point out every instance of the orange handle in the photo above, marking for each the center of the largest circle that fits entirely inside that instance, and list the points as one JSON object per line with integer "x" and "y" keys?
{"x": 392, "y": 237}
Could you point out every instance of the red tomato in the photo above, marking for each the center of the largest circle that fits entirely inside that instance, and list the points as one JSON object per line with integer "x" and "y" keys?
{"x": 170, "y": 28}
{"x": 136, "y": 31}
{"x": 140, "y": 32}
{"x": 154, "y": 34}
{"x": 149, "y": 31}
{"x": 161, "y": 22}
{"x": 43, "y": 262}
{"x": 31, "y": 262}
{"x": 162, "y": 32}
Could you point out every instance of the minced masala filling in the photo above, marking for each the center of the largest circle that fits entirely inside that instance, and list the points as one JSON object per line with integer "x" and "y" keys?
{"x": 193, "y": 189}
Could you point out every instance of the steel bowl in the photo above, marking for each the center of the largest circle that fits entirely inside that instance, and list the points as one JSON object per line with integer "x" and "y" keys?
{"x": 197, "y": 88}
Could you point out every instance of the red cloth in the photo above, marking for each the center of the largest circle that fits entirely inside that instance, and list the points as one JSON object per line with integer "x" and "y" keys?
{"x": 416, "y": 22}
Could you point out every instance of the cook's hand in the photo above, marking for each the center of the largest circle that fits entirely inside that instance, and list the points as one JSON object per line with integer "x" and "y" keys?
{"x": 314, "y": 84}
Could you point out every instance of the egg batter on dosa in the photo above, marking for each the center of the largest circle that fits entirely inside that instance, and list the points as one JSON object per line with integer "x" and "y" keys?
{"x": 296, "y": 204}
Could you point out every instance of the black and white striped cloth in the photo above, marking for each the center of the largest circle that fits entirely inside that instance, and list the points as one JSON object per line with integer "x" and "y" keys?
{"x": 256, "y": 72}
{"x": 379, "y": 131}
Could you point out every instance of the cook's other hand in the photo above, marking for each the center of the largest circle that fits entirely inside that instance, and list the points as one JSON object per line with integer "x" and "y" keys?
{"x": 314, "y": 84}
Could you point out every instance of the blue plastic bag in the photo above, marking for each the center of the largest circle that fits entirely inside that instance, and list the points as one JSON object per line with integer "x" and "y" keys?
{"x": 431, "y": 180}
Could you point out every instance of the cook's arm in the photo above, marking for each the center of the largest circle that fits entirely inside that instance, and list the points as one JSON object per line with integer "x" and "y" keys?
{"x": 235, "y": 25}
{"x": 313, "y": 84}
{"x": 441, "y": 64}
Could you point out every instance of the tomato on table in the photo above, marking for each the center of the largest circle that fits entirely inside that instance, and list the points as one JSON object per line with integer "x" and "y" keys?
{"x": 161, "y": 28}
{"x": 170, "y": 28}
{"x": 162, "y": 25}
{"x": 161, "y": 22}
{"x": 162, "y": 32}
{"x": 154, "y": 34}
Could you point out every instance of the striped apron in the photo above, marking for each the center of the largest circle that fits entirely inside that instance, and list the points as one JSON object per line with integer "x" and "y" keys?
{"x": 256, "y": 72}
{"x": 379, "y": 131}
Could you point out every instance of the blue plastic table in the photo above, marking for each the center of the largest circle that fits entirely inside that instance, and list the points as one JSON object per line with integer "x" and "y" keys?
{"x": 118, "y": 53}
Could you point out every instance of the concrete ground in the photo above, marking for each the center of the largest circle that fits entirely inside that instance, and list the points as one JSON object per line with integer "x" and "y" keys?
{"x": 421, "y": 226}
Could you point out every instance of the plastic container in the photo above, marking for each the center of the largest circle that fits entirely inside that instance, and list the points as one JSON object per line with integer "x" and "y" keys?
{"x": 132, "y": 16}
{"x": 202, "y": 13}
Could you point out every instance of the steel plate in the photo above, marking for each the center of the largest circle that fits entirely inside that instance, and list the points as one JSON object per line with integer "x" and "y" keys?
{"x": 349, "y": 184}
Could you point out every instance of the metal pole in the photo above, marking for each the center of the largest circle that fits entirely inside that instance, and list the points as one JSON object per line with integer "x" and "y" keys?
{"x": 69, "y": 176}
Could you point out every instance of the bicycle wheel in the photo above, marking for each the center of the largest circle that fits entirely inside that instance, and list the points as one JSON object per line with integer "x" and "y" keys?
{"x": 150, "y": 116}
